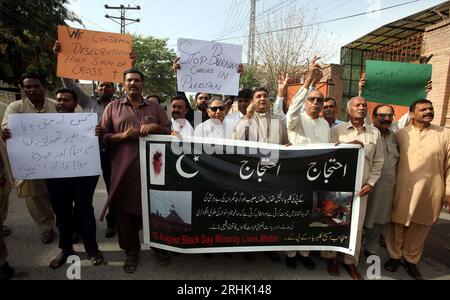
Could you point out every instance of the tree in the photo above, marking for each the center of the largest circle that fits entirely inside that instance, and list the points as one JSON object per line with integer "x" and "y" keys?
{"x": 155, "y": 60}
{"x": 288, "y": 51}
{"x": 249, "y": 78}
{"x": 28, "y": 30}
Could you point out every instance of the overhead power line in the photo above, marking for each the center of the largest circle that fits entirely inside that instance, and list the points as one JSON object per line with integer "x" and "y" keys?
{"x": 322, "y": 22}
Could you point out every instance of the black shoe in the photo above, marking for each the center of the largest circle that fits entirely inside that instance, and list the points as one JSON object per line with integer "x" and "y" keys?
{"x": 110, "y": 232}
{"x": 392, "y": 265}
{"x": 412, "y": 270}
{"x": 307, "y": 262}
{"x": 291, "y": 263}
{"x": 97, "y": 258}
{"x": 6, "y": 272}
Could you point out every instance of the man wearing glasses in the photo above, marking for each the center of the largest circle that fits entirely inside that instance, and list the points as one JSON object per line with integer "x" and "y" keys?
{"x": 215, "y": 127}
{"x": 306, "y": 128}
{"x": 380, "y": 201}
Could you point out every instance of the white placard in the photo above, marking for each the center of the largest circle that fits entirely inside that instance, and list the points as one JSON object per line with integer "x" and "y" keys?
{"x": 209, "y": 67}
{"x": 47, "y": 146}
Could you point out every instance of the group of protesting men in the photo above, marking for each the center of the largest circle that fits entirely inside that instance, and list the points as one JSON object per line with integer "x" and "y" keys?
{"x": 405, "y": 176}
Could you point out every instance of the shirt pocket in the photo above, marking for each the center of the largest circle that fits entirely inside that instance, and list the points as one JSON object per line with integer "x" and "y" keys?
{"x": 393, "y": 151}
{"x": 370, "y": 150}
{"x": 149, "y": 120}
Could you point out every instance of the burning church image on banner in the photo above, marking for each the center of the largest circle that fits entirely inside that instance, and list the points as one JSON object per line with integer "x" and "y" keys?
{"x": 331, "y": 209}
{"x": 171, "y": 212}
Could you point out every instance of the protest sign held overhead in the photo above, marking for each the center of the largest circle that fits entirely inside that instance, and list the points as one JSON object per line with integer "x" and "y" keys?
{"x": 208, "y": 67}
{"x": 45, "y": 146}
{"x": 396, "y": 83}
{"x": 93, "y": 55}
{"x": 237, "y": 196}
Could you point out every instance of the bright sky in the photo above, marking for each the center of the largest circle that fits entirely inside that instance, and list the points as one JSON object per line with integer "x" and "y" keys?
{"x": 210, "y": 20}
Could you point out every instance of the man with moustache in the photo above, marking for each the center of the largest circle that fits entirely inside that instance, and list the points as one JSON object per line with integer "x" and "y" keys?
{"x": 123, "y": 123}
{"x": 329, "y": 112}
{"x": 356, "y": 131}
{"x": 379, "y": 203}
{"x": 260, "y": 125}
{"x": 244, "y": 99}
{"x": 423, "y": 186}
{"x": 34, "y": 191}
{"x": 182, "y": 116}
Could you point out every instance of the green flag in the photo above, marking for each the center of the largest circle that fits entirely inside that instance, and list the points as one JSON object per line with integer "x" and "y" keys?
{"x": 396, "y": 83}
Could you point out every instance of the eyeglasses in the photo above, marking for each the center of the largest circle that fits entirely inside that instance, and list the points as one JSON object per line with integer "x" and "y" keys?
{"x": 203, "y": 98}
{"x": 217, "y": 108}
{"x": 385, "y": 116}
{"x": 311, "y": 99}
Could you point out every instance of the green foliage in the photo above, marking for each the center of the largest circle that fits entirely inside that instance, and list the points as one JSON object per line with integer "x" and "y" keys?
{"x": 155, "y": 60}
{"x": 249, "y": 79}
{"x": 28, "y": 30}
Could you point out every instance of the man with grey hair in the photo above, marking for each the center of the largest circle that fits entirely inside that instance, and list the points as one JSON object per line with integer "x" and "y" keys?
{"x": 305, "y": 128}
{"x": 216, "y": 126}
{"x": 356, "y": 131}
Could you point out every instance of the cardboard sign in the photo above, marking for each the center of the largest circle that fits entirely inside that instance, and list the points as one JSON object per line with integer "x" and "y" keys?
{"x": 208, "y": 67}
{"x": 93, "y": 55}
{"x": 396, "y": 83}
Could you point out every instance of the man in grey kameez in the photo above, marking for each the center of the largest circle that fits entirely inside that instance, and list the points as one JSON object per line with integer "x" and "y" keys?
{"x": 379, "y": 204}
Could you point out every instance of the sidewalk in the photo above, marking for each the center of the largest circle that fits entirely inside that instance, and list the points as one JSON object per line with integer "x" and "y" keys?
{"x": 31, "y": 258}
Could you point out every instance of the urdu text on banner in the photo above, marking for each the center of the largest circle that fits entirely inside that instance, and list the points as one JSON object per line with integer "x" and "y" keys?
{"x": 236, "y": 196}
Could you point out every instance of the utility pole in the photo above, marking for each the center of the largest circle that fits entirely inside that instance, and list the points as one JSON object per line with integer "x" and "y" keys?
{"x": 252, "y": 34}
{"x": 123, "y": 9}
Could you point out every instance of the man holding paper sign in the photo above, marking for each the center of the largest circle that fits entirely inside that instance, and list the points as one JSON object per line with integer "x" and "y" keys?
{"x": 34, "y": 191}
{"x": 78, "y": 191}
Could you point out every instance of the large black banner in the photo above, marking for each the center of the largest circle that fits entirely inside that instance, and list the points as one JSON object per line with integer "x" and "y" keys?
{"x": 205, "y": 196}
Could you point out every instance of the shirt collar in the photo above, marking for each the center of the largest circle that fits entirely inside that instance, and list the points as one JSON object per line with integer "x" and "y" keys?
{"x": 125, "y": 100}
{"x": 99, "y": 101}
{"x": 349, "y": 126}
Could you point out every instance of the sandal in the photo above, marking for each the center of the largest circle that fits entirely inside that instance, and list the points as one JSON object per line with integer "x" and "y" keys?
{"x": 97, "y": 258}
{"x": 60, "y": 260}
{"x": 130, "y": 264}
